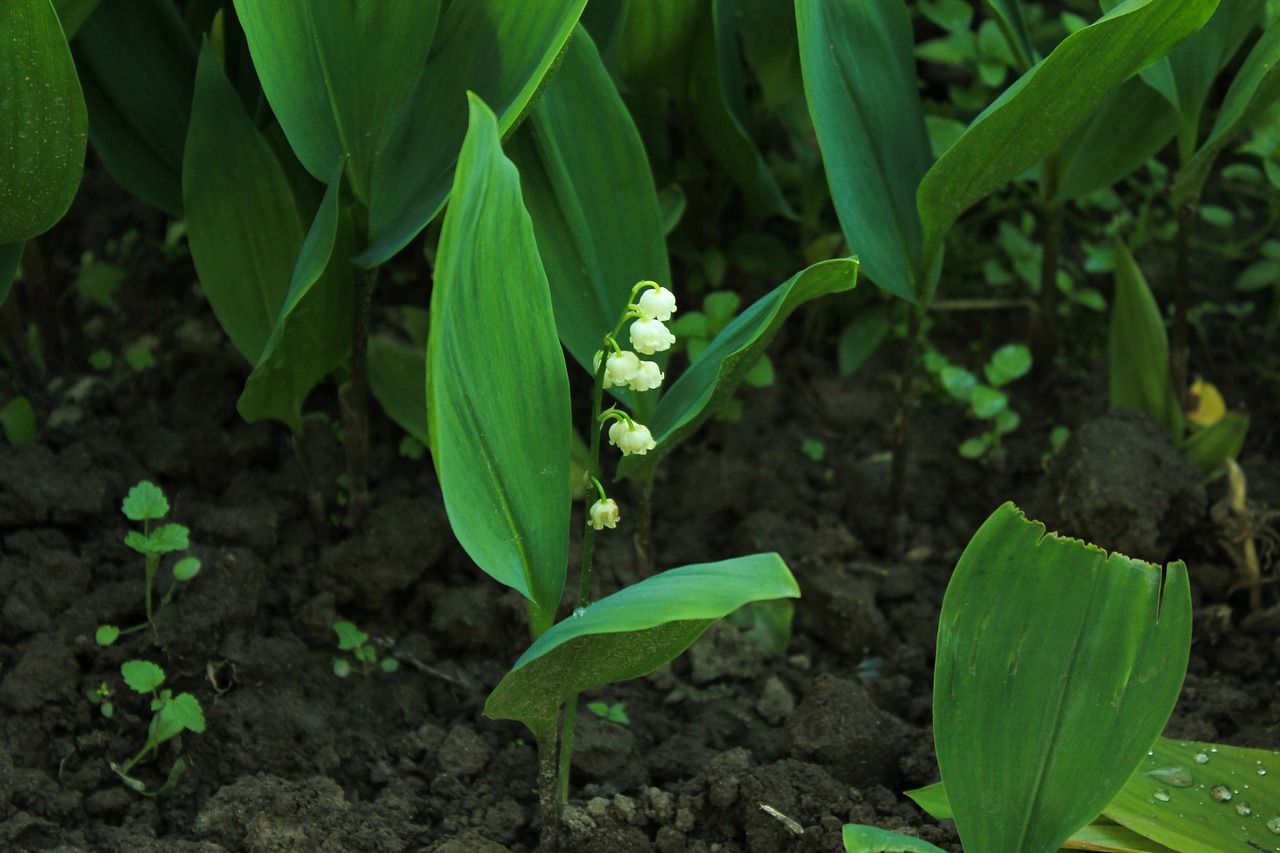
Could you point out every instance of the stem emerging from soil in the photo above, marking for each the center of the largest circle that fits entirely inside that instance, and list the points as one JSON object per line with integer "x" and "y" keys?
{"x": 354, "y": 399}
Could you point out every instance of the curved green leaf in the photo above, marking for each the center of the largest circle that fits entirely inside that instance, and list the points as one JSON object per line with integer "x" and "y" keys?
{"x": 73, "y": 14}
{"x": 497, "y": 388}
{"x": 1254, "y": 88}
{"x": 1134, "y": 124}
{"x": 397, "y": 375}
{"x": 414, "y": 170}
{"x": 140, "y": 98}
{"x": 1045, "y": 105}
{"x": 337, "y": 73}
{"x": 1138, "y": 352}
{"x": 245, "y": 232}
{"x": 860, "y": 81}
{"x": 712, "y": 378}
{"x": 42, "y": 121}
{"x": 312, "y": 332}
{"x": 1056, "y": 664}
{"x": 588, "y": 188}
{"x": 631, "y": 633}
{"x": 869, "y": 839}
{"x": 1211, "y": 447}
{"x": 10, "y": 257}
{"x": 1191, "y": 819}
{"x": 1013, "y": 23}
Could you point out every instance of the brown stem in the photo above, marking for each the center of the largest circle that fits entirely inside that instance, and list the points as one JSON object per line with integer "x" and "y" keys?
{"x": 897, "y": 528}
{"x": 354, "y": 399}
{"x": 549, "y": 807}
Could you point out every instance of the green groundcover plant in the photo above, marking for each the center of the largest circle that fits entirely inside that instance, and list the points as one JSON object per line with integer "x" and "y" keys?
{"x": 172, "y": 715}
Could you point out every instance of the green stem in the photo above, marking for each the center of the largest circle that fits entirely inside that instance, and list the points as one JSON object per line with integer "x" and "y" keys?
{"x": 549, "y": 811}
{"x": 152, "y": 562}
{"x": 1179, "y": 347}
{"x": 566, "y": 754}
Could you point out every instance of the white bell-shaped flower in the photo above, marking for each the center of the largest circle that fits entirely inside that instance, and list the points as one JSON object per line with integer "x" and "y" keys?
{"x": 631, "y": 437}
{"x": 648, "y": 377}
{"x": 621, "y": 368}
{"x": 604, "y": 513}
{"x": 649, "y": 336}
{"x": 658, "y": 303}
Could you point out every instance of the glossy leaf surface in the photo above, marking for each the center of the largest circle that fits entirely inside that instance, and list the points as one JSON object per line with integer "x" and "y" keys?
{"x": 414, "y": 169}
{"x": 731, "y": 355}
{"x": 1045, "y": 105}
{"x": 869, "y": 839}
{"x": 1056, "y": 663}
{"x": 497, "y": 388}
{"x": 631, "y": 633}
{"x": 43, "y": 125}
{"x": 859, "y": 78}
{"x": 139, "y": 98}
{"x": 587, "y": 186}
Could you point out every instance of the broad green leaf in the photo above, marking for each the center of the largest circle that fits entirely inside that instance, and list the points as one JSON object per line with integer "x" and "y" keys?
{"x": 497, "y": 388}
{"x": 337, "y": 73}
{"x": 142, "y": 676}
{"x": 414, "y": 169}
{"x": 349, "y": 636}
{"x": 73, "y": 14}
{"x": 145, "y": 501}
{"x": 1185, "y": 76}
{"x": 1013, "y": 23}
{"x": 587, "y": 185}
{"x": 631, "y": 633}
{"x": 42, "y": 121}
{"x": 180, "y": 714}
{"x": 860, "y": 81}
{"x": 397, "y": 374}
{"x": 861, "y": 338}
{"x": 712, "y": 378}
{"x": 168, "y": 538}
{"x": 1056, "y": 664}
{"x": 869, "y": 839}
{"x": 312, "y": 333}
{"x": 245, "y": 234}
{"x": 10, "y": 257}
{"x": 1134, "y": 125}
{"x": 139, "y": 98}
{"x": 1253, "y": 90}
{"x": 1138, "y": 353}
{"x": 1187, "y": 816}
{"x": 1211, "y": 447}
{"x": 717, "y": 94}
{"x": 1033, "y": 117}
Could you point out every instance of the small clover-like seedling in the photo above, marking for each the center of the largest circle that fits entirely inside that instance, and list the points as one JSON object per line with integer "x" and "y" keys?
{"x": 986, "y": 402}
{"x": 172, "y": 715}
{"x": 352, "y": 639}
{"x": 615, "y": 713}
{"x": 146, "y": 503}
{"x": 102, "y": 698}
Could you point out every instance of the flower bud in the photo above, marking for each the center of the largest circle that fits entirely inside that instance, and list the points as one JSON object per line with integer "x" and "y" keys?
{"x": 650, "y": 336}
{"x": 604, "y": 513}
{"x": 647, "y": 377}
{"x": 631, "y": 438}
{"x": 658, "y": 303}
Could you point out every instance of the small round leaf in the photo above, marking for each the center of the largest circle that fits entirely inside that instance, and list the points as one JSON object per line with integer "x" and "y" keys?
{"x": 186, "y": 568}
{"x": 142, "y": 675}
{"x": 106, "y": 635}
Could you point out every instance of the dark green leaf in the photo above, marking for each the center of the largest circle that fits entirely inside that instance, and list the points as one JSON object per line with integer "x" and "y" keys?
{"x": 1010, "y": 362}
{"x": 1211, "y": 447}
{"x": 655, "y": 41}
{"x": 860, "y": 80}
{"x": 397, "y": 377}
{"x": 10, "y": 257}
{"x": 497, "y": 388}
{"x": 712, "y": 378}
{"x": 1056, "y": 664}
{"x": 1013, "y": 23}
{"x": 414, "y": 170}
{"x": 18, "y": 422}
{"x": 42, "y": 121}
{"x": 861, "y": 338}
{"x": 1138, "y": 353}
{"x": 631, "y": 633}
{"x": 1253, "y": 90}
{"x": 336, "y": 74}
{"x": 311, "y": 334}
{"x": 1033, "y": 117}
{"x": 587, "y": 185}
{"x": 139, "y": 98}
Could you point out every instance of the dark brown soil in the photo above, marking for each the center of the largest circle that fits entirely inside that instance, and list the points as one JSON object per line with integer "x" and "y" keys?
{"x": 296, "y": 759}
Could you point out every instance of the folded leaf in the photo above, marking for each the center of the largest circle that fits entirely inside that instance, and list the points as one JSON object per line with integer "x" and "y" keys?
{"x": 1211, "y": 447}
{"x": 497, "y": 388}
{"x": 631, "y": 633}
{"x": 1138, "y": 353}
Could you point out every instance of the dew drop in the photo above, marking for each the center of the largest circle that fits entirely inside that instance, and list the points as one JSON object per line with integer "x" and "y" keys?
{"x": 1221, "y": 793}
{"x": 577, "y": 614}
{"x": 1274, "y": 825}
{"x": 1243, "y": 809}
{"x": 1173, "y": 776}
{"x": 1202, "y": 757}
{"x": 1162, "y": 795}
